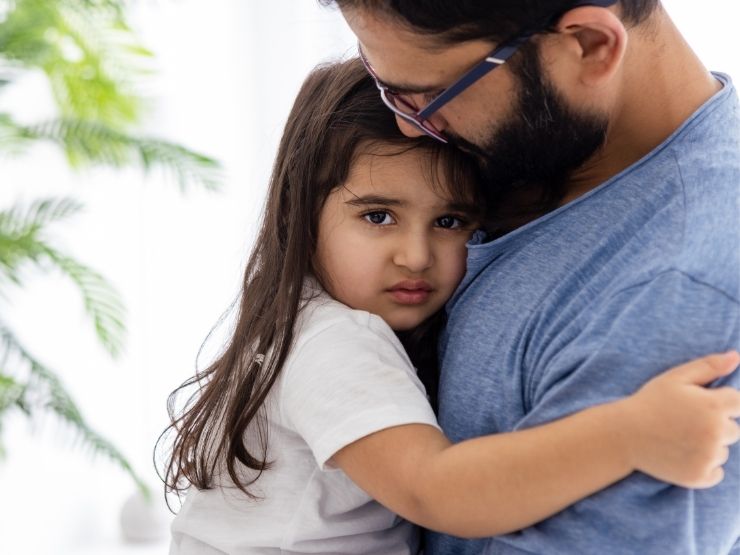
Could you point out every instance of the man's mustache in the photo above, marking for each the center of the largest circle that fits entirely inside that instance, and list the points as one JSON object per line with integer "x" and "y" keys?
{"x": 479, "y": 153}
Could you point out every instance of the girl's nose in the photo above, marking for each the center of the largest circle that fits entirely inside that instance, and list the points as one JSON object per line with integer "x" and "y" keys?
{"x": 414, "y": 252}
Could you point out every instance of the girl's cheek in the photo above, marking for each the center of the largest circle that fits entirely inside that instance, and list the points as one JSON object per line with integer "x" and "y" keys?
{"x": 461, "y": 270}
{"x": 458, "y": 260}
{"x": 464, "y": 255}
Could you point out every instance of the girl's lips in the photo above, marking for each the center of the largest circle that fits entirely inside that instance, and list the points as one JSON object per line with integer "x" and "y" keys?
{"x": 410, "y": 296}
{"x": 411, "y": 291}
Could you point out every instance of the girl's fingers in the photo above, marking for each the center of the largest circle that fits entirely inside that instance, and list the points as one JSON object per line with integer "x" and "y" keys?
{"x": 715, "y": 477}
{"x": 730, "y": 399}
{"x": 726, "y": 399}
{"x": 707, "y": 369}
{"x": 731, "y": 433}
{"x": 723, "y": 456}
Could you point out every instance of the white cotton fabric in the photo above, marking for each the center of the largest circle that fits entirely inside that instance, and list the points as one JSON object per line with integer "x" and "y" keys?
{"x": 347, "y": 376}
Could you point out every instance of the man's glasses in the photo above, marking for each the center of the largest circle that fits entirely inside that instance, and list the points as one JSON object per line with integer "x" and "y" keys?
{"x": 419, "y": 118}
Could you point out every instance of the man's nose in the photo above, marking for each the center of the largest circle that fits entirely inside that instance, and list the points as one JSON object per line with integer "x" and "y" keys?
{"x": 414, "y": 252}
{"x": 411, "y": 130}
{"x": 417, "y": 102}
{"x": 408, "y": 128}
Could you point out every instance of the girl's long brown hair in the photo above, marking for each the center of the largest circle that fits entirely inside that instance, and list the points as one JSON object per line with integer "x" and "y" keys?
{"x": 336, "y": 113}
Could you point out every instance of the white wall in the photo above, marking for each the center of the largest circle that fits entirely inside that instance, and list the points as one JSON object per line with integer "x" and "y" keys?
{"x": 227, "y": 74}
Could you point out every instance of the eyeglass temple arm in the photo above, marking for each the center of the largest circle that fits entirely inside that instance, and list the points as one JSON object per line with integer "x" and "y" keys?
{"x": 496, "y": 58}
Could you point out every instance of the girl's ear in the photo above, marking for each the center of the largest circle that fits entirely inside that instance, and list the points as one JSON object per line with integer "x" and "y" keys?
{"x": 595, "y": 40}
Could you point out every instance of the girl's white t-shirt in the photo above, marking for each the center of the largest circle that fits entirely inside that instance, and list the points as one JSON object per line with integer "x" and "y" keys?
{"x": 346, "y": 377}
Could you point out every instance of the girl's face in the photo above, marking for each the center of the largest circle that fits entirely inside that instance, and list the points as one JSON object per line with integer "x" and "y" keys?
{"x": 389, "y": 242}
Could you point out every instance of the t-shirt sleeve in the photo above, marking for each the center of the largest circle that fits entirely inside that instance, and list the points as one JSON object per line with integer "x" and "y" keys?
{"x": 346, "y": 382}
{"x": 634, "y": 336}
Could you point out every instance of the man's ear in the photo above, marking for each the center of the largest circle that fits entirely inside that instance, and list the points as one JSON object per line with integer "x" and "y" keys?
{"x": 596, "y": 40}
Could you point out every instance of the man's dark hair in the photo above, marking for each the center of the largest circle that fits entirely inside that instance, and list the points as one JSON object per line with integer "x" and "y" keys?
{"x": 496, "y": 20}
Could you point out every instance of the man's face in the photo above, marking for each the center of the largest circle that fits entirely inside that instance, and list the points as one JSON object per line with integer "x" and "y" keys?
{"x": 515, "y": 121}
{"x": 543, "y": 141}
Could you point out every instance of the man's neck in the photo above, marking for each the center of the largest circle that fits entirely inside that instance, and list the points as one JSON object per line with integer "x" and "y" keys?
{"x": 663, "y": 84}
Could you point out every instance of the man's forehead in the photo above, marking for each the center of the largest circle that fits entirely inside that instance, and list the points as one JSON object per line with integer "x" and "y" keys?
{"x": 408, "y": 60}
{"x": 380, "y": 34}
{"x": 374, "y": 22}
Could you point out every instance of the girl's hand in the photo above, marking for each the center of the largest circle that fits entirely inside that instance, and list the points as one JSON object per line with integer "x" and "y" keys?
{"x": 678, "y": 431}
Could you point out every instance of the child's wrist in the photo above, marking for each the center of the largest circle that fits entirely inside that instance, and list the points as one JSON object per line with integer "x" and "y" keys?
{"x": 623, "y": 432}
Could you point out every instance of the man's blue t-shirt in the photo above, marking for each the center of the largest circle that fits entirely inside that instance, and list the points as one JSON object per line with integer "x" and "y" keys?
{"x": 587, "y": 303}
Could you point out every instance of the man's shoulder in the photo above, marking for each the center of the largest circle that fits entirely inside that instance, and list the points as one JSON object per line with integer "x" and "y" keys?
{"x": 703, "y": 151}
{"x": 685, "y": 211}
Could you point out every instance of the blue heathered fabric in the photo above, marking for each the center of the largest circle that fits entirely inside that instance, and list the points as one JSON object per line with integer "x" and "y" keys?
{"x": 587, "y": 303}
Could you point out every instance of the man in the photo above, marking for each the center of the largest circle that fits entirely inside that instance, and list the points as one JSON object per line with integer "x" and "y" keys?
{"x": 611, "y": 162}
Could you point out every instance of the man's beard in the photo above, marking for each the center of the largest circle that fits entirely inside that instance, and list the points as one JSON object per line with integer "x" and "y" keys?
{"x": 532, "y": 155}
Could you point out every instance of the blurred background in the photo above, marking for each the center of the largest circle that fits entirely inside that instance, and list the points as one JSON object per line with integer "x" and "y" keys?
{"x": 154, "y": 232}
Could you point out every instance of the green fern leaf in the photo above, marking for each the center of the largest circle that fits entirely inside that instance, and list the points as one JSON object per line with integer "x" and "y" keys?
{"x": 22, "y": 241}
{"x": 51, "y": 396}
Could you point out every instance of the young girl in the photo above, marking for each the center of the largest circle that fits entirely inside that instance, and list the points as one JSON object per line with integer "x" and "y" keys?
{"x": 311, "y": 432}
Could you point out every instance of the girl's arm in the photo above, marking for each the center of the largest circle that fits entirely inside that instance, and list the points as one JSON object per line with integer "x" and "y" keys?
{"x": 671, "y": 429}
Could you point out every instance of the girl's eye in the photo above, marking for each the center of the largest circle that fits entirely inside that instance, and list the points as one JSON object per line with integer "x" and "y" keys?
{"x": 378, "y": 217}
{"x": 450, "y": 222}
